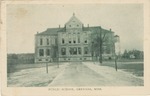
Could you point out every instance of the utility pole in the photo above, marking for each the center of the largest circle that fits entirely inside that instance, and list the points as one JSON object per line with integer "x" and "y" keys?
{"x": 116, "y": 67}
{"x": 100, "y": 49}
{"x": 46, "y": 67}
{"x": 92, "y": 52}
{"x": 57, "y": 52}
{"x": 116, "y": 62}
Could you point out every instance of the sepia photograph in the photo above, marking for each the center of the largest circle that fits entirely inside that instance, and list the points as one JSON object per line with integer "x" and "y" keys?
{"x": 74, "y": 47}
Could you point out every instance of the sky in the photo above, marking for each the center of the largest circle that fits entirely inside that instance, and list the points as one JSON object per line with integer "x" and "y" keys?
{"x": 25, "y": 20}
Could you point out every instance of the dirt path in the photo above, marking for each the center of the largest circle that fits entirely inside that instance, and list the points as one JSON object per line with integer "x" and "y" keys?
{"x": 85, "y": 74}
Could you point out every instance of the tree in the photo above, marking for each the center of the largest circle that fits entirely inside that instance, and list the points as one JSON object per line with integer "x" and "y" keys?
{"x": 125, "y": 54}
{"x": 14, "y": 56}
{"x": 136, "y": 53}
{"x": 98, "y": 37}
{"x": 55, "y": 52}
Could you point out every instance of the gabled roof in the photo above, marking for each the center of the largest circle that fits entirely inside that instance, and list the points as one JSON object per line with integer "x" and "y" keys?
{"x": 95, "y": 29}
{"x": 54, "y": 31}
{"x": 74, "y": 18}
{"x": 50, "y": 31}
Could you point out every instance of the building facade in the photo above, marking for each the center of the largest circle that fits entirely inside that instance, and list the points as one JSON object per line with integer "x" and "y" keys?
{"x": 73, "y": 42}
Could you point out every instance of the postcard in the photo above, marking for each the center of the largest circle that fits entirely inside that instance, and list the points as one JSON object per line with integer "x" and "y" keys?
{"x": 75, "y": 48}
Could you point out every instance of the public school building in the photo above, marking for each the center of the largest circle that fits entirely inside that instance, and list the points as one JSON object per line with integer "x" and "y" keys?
{"x": 73, "y": 42}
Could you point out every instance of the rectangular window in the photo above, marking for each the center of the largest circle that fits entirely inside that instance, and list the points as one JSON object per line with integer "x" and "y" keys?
{"x": 86, "y": 38}
{"x": 69, "y": 38}
{"x": 74, "y": 51}
{"x": 47, "y": 41}
{"x": 79, "y": 50}
{"x": 41, "y": 41}
{"x": 63, "y": 51}
{"x": 63, "y": 41}
{"x": 78, "y": 38}
{"x": 71, "y": 51}
{"x": 74, "y": 38}
{"x": 86, "y": 50}
{"x": 41, "y": 52}
{"x": 47, "y": 52}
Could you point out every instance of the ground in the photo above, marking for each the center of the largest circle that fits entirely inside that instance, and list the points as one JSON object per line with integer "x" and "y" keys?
{"x": 74, "y": 74}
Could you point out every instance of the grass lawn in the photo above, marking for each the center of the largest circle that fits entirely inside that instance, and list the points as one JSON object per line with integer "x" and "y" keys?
{"x": 17, "y": 67}
{"x": 134, "y": 68}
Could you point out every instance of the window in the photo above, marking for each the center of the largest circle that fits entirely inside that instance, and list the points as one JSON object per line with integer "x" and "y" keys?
{"x": 73, "y": 51}
{"x": 63, "y": 51}
{"x": 74, "y": 41}
{"x": 74, "y": 38}
{"x": 85, "y": 50}
{"x": 69, "y": 40}
{"x": 79, "y": 50}
{"x": 78, "y": 38}
{"x": 41, "y": 52}
{"x": 41, "y": 41}
{"x": 47, "y": 41}
{"x": 48, "y": 52}
{"x": 85, "y": 41}
{"x": 63, "y": 41}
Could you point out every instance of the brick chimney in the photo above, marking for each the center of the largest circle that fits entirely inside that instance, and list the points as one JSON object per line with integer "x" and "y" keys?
{"x": 110, "y": 29}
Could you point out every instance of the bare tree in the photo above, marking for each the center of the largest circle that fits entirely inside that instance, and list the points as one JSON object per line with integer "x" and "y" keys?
{"x": 55, "y": 52}
{"x": 98, "y": 37}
